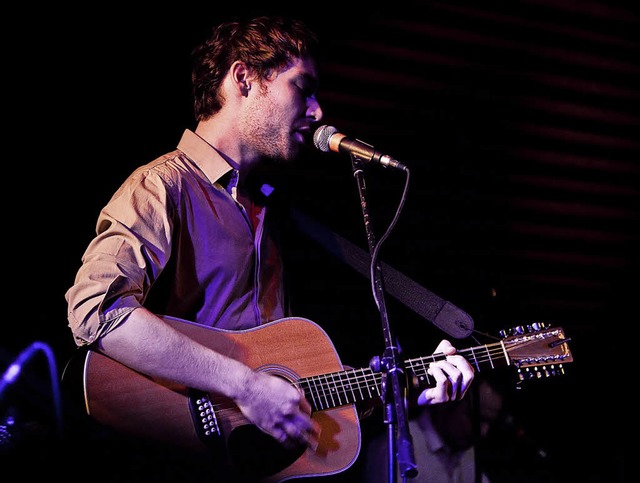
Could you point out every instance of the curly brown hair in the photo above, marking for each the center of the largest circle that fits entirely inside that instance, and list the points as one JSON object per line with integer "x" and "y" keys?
{"x": 265, "y": 44}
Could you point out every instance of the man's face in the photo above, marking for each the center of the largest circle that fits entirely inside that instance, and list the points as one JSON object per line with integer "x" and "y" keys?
{"x": 279, "y": 119}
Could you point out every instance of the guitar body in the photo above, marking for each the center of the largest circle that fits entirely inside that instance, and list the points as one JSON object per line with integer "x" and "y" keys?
{"x": 291, "y": 348}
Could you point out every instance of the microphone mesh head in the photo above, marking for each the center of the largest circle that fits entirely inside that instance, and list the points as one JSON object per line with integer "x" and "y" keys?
{"x": 321, "y": 137}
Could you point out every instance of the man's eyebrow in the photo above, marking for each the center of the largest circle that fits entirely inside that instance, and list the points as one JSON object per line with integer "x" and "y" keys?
{"x": 308, "y": 78}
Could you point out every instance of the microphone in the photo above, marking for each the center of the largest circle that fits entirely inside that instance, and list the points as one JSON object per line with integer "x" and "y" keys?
{"x": 327, "y": 138}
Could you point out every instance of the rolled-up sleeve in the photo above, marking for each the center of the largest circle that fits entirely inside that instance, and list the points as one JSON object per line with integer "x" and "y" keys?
{"x": 130, "y": 250}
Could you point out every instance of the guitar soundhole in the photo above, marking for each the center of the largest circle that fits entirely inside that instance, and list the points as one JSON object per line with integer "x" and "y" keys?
{"x": 256, "y": 454}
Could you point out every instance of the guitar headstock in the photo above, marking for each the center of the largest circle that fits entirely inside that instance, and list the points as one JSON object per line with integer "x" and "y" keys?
{"x": 537, "y": 350}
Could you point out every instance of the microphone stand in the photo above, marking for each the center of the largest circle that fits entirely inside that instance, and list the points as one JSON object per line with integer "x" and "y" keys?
{"x": 393, "y": 387}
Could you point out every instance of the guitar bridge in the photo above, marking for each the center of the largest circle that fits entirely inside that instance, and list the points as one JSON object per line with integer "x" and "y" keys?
{"x": 204, "y": 418}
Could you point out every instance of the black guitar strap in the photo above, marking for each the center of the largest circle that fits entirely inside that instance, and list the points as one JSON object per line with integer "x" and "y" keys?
{"x": 443, "y": 314}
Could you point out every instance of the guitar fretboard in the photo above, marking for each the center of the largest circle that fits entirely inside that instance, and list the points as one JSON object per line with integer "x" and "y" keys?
{"x": 336, "y": 389}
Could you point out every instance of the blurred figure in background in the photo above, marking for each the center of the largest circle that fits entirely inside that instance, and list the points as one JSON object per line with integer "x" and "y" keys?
{"x": 445, "y": 437}
{"x": 473, "y": 440}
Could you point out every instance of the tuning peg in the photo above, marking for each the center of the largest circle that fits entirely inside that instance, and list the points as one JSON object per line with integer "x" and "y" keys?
{"x": 526, "y": 375}
{"x": 557, "y": 370}
{"x": 537, "y": 326}
{"x": 518, "y": 330}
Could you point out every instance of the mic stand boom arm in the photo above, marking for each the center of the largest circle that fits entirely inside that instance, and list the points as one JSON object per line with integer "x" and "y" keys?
{"x": 400, "y": 442}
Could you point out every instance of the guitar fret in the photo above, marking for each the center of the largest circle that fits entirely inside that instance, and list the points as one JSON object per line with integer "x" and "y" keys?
{"x": 506, "y": 356}
{"x": 334, "y": 387}
{"x": 475, "y": 359}
{"x": 367, "y": 376}
{"x": 346, "y": 387}
{"x": 419, "y": 370}
{"x": 355, "y": 385}
{"x": 489, "y": 356}
{"x": 313, "y": 397}
{"x": 367, "y": 387}
{"x": 333, "y": 403}
{"x": 409, "y": 365}
{"x": 377, "y": 381}
{"x": 323, "y": 392}
{"x": 353, "y": 394}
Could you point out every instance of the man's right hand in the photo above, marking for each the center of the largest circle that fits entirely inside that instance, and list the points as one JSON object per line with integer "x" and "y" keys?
{"x": 278, "y": 409}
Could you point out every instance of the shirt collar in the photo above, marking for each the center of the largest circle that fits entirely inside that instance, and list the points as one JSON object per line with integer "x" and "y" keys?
{"x": 212, "y": 164}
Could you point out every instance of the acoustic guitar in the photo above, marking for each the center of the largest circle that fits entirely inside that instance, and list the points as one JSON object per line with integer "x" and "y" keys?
{"x": 301, "y": 352}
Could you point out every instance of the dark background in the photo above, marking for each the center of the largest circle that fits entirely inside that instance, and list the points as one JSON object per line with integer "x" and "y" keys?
{"x": 519, "y": 123}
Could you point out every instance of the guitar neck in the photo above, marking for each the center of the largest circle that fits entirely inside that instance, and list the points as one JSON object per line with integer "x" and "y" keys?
{"x": 540, "y": 351}
{"x": 336, "y": 389}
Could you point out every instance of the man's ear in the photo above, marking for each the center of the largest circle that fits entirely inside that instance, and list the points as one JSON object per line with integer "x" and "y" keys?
{"x": 240, "y": 75}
